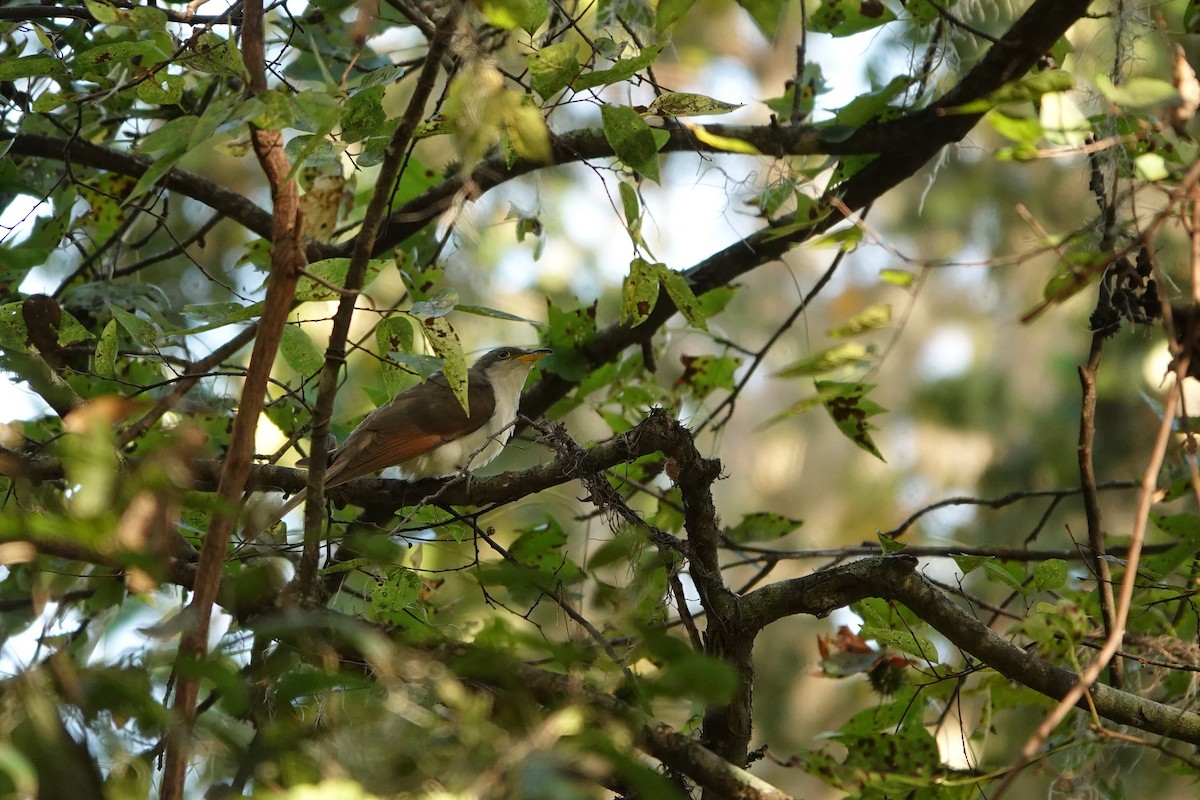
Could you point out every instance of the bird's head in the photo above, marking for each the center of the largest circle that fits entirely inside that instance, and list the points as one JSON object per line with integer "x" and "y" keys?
{"x": 510, "y": 361}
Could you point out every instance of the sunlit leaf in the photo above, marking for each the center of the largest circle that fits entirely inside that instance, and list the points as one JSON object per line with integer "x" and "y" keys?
{"x": 444, "y": 341}
{"x": 1050, "y": 575}
{"x": 868, "y": 319}
{"x": 639, "y": 292}
{"x": 623, "y": 70}
{"x": 686, "y": 104}
{"x": 847, "y": 17}
{"x": 1137, "y": 92}
{"x": 850, "y": 354}
{"x": 668, "y": 12}
{"x": 897, "y": 277}
{"x": 299, "y": 351}
{"x": 725, "y": 143}
{"x": 1023, "y": 90}
{"x": 552, "y": 68}
{"x": 527, "y": 15}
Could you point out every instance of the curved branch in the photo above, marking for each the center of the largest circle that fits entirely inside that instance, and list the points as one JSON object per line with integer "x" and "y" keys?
{"x": 895, "y": 578}
{"x": 231, "y": 204}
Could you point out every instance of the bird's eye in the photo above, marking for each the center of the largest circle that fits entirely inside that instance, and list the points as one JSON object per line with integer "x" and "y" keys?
{"x": 504, "y": 354}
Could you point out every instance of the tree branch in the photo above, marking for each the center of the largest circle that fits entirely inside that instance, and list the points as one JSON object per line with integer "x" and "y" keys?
{"x": 287, "y": 260}
{"x": 895, "y": 578}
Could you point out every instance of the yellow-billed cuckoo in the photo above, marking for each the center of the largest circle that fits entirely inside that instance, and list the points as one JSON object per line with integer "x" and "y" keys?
{"x": 425, "y": 431}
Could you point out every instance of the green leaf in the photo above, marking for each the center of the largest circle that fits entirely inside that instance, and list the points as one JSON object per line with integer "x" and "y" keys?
{"x": 275, "y": 111}
{"x": 444, "y": 341}
{"x": 969, "y": 564}
{"x": 392, "y": 596}
{"x": 1185, "y": 527}
{"x": 871, "y": 105}
{"x": 552, "y": 68}
{"x": 363, "y": 114}
{"x": 850, "y": 354}
{"x": 630, "y": 138}
{"x": 639, "y": 292}
{"x": 888, "y": 545}
{"x": 143, "y": 18}
{"x": 117, "y": 52}
{"x": 686, "y": 104}
{"x": 1137, "y": 92}
{"x": 848, "y": 17}
{"x": 332, "y": 272}
{"x": 904, "y": 641}
{"x": 705, "y": 374}
{"x": 846, "y": 239}
{"x": 869, "y": 319}
{"x": 812, "y": 83}
{"x": 495, "y": 313}
{"x": 220, "y": 315}
{"x": 623, "y": 70}
{"x": 682, "y": 295}
{"x": 696, "y": 676}
{"x": 765, "y": 13}
{"x": 212, "y": 54}
{"x": 847, "y": 403}
{"x": 106, "y": 350}
{"x": 169, "y": 138}
{"x": 394, "y": 337}
{"x": 1050, "y": 575}
{"x": 394, "y": 334}
{"x": 1151, "y": 167}
{"x": 897, "y": 277}
{"x": 163, "y": 163}
{"x": 71, "y": 330}
{"x": 299, "y": 351}
{"x": 1023, "y": 130}
{"x": 668, "y": 12}
{"x": 30, "y": 67}
{"x": 999, "y": 572}
{"x": 528, "y": 15}
{"x": 713, "y": 301}
{"x": 542, "y": 547}
{"x": 1022, "y": 90}
{"x": 141, "y": 331}
{"x": 569, "y": 329}
{"x": 163, "y": 89}
{"x": 762, "y": 526}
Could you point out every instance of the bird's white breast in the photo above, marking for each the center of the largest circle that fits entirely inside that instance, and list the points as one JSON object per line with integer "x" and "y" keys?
{"x": 491, "y": 436}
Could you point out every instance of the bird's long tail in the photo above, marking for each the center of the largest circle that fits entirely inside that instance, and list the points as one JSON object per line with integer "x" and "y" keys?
{"x": 292, "y": 502}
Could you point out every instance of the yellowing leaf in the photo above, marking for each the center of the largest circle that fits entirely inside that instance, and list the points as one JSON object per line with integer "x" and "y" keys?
{"x": 726, "y": 143}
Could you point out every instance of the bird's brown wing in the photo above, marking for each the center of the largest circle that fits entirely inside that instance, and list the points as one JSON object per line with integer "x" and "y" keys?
{"x": 417, "y": 421}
